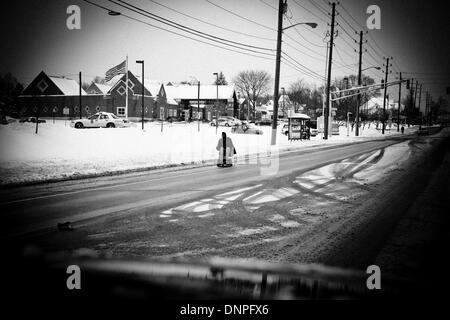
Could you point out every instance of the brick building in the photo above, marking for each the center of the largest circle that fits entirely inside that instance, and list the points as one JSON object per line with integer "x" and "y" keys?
{"x": 48, "y": 96}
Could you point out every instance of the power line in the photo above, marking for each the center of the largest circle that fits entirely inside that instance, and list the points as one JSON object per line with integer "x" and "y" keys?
{"x": 292, "y": 66}
{"x": 370, "y": 36}
{"x": 371, "y": 56}
{"x": 305, "y": 28}
{"x": 181, "y": 35}
{"x": 350, "y": 45}
{"x": 348, "y": 13}
{"x": 269, "y": 5}
{"x": 318, "y": 7}
{"x": 295, "y": 28}
{"x": 185, "y": 28}
{"x": 303, "y": 46}
{"x": 342, "y": 60}
{"x": 315, "y": 15}
{"x": 309, "y": 70}
{"x": 347, "y": 23}
{"x": 237, "y": 15}
{"x": 211, "y": 24}
{"x": 302, "y": 68}
{"x": 347, "y": 33}
{"x": 306, "y": 54}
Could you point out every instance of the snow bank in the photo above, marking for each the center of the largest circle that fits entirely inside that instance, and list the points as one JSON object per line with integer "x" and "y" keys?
{"x": 59, "y": 151}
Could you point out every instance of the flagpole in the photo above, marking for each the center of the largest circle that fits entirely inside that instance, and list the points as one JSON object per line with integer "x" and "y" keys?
{"x": 126, "y": 86}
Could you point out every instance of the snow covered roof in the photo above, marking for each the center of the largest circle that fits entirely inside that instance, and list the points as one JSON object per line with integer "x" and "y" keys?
{"x": 152, "y": 85}
{"x": 104, "y": 88}
{"x": 94, "y": 88}
{"x": 114, "y": 80}
{"x": 69, "y": 87}
{"x": 207, "y": 92}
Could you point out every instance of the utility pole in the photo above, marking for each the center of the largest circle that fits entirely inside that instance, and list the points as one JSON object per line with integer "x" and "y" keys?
{"x": 430, "y": 111}
{"x": 79, "y": 76}
{"x": 330, "y": 61}
{"x": 415, "y": 94}
{"x": 325, "y": 85}
{"x": 399, "y": 101}
{"x": 384, "y": 96}
{"x": 358, "y": 100}
{"x": 217, "y": 99}
{"x": 142, "y": 89}
{"x": 198, "y": 105}
{"x": 281, "y": 9}
{"x": 420, "y": 95}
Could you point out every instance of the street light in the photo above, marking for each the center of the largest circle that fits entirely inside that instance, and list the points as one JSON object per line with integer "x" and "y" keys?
{"x": 378, "y": 68}
{"x": 217, "y": 96}
{"x": 114, "y": 13}
{"x": 311, "y": 24}
{"x": 281, "y": 9}
{"x": 142, "y": 107}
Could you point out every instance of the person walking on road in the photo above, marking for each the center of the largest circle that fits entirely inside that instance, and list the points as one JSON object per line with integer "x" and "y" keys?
{"x": 226, "y": 150}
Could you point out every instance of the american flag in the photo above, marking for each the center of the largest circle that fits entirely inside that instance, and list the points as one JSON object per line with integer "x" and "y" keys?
{"x": 111, "y": 73}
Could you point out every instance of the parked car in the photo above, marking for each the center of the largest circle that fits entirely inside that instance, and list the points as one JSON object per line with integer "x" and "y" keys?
{"x": 32, "y": 119}
{"x": 264, "y": 122}
{"x": 285, "y": 129}
{"x": 246, "y": 128}
{"x": 226, "y": 122}
{"x": 99, "y": 120}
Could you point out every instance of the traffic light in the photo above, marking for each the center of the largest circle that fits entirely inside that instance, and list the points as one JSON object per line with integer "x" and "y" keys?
{"x": 407, "y": 83}
{"x": 382, "y": 84}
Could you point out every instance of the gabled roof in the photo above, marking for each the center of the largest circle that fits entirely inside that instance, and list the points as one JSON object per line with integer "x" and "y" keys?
{"x": 104, "y": 88}
{"x": 52, "y": 85}
{"x": 69, "y": 87}
{"x": 154, "y": 86}
{"x": 98, "y": 88}
{"x": 207, "y": 92}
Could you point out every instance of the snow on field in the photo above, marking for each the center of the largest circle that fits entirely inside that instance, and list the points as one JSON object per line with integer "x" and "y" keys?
{"x": 59, "y": 151}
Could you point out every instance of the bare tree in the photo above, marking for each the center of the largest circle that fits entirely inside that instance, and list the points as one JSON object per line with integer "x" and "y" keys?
{"x": 99, "y": 79}
{"x": 252, "y": 84}
{"x": 221, "y": 81}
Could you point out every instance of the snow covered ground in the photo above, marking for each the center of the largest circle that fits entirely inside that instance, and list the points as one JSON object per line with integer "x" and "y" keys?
{"x": 59, "y": 151}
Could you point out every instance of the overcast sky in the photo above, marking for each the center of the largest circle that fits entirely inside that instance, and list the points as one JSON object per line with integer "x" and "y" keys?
{"x": 414, "y": 33}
